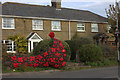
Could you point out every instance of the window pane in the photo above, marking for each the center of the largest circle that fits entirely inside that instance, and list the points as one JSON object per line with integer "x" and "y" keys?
{"x": 8, "y": 23}
{"x": 94, "y": 27}
{"x": 37, "y": 24}
{"x": 56, "y": 25}
{"x": 81, "y": 26}
{"x": 10, "y": 46}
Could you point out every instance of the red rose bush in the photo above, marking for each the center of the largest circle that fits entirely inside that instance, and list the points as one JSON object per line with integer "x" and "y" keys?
{"x": 54, "y": 57}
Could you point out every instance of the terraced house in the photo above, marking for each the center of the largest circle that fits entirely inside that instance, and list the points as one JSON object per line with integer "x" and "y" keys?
{"x": 36, "y": 21}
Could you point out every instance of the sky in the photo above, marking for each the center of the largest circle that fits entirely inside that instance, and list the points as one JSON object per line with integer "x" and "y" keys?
{"x": 95, "y": 6}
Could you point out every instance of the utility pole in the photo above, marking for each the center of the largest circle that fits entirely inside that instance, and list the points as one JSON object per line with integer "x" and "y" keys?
{"x": 117, "y": 32}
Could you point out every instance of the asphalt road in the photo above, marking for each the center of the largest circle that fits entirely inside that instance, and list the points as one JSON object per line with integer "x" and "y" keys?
{"x": 106, "y": 72}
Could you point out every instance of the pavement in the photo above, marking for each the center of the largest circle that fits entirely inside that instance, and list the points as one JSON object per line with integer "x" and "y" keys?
{"x": 105, "y": 72}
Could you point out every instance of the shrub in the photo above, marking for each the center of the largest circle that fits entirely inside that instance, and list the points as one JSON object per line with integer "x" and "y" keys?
{"x": 20, "y": 42}
{"x": 91, "y": 63}
{"x": 90, "y": 53}
{"x": 46, "y": 44}
{"x": 106, "y": 62}
{"x": 72, "y": 49}
{"x": 108, "y": 51}
{"x": 54, "y": 57}
{"x": 76, "y": 43}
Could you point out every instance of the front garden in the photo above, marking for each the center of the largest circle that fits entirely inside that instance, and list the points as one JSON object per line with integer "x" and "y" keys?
{"x": 53, "y": 54}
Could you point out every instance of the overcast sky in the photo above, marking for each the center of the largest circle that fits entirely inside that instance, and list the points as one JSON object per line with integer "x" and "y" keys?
{"x": 96, "y": 6}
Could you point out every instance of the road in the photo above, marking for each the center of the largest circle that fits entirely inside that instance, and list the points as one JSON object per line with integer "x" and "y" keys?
{"x": 106, "y": 72}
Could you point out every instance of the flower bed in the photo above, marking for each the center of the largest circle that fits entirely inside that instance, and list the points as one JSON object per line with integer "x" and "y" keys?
{"x": 54, "y": 57}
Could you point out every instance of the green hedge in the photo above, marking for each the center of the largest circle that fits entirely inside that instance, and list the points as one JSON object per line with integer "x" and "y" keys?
{"x": 90, "y": 53}
{"x": 77, "y": 43}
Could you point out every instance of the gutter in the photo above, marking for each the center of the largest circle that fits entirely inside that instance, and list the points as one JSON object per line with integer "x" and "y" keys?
{"x": 25, "y": 17}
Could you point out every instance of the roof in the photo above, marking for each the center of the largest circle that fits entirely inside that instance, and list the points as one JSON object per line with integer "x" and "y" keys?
{"x": 100, "y": 35}
{"x": 27, "y": 10}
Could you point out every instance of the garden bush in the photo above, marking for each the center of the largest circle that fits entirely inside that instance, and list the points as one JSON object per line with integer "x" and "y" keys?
{"x": 53, "y": 57}
{"x": 77, "y": 43}
{"x": 20, "y": 42}
{"x": 46, "y": 44}
{"x": 90, "y": 53}
{"x": 108, "y": 51}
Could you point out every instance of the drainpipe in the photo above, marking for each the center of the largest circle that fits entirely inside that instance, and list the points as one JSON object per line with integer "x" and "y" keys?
{"x": 69, "y": 31}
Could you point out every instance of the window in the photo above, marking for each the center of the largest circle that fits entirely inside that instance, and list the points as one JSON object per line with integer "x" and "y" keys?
{"x": 94, "y": 27}
{"x": 56, "y": 25}
{"x": 81, "y": 27}
{"x": 8, "y": 23}
{"x": 11, "y": 47}
{"x": 37, "y": 24}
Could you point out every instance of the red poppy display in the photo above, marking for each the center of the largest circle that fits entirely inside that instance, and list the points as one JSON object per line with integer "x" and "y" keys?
{"x": 55, "y": 57}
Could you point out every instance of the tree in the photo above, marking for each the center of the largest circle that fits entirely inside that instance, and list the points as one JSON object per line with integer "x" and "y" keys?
{"x": 20, "y": 42}
{"x": 112, "y": 13}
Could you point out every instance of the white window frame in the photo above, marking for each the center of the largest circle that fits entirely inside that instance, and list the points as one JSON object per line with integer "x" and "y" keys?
{"x": 81, "y": 26}
{"x": 12, "y": 26}
{"x": 52, "y": 24}
{"x": 12, "y": 51}
{"x": 39, "y": 26}
{"x": 95, "y": 26}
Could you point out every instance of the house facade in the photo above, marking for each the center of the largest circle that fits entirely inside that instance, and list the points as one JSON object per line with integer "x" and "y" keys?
{"x": 35, "y": 22}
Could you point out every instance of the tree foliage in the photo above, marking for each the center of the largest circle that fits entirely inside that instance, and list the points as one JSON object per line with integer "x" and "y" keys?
{"x": 112, "y": 14}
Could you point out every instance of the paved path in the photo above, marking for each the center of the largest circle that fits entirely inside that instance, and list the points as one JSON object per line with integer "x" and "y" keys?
{"x": 106, "y": 72}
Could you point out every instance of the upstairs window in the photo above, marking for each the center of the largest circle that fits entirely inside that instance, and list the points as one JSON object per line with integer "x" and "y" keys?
{"x": 8, "y": 23}
{"x": 94, "y": 27}
{"x": 81, "y": 27}
{"x": 56, "y": 25}
{"x": 37, "y": 24}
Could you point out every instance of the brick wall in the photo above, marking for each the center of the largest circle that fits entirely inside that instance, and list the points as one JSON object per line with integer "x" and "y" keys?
{"x": 24, "y": 27}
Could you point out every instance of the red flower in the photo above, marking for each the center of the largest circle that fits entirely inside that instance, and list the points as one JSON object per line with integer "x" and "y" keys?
{"x": 25, "y": 59}
{"x": 20, "y": 59}
{"x": 27, "y": 64}
{"x": 57, "y": 54}
{"x": 45, "y": 53}
{"x": 56, "y": 65}
{"x": 35, "y": 65}
{"x": 32, "y": 58}
{"x": 51, "y": 34}
{"x": 30, "y": 64}
{"x": 58, "y": 49}
{"x": 63, "y": 50}
{"x": 53, "y": 45}
{"x": 61, "y": 59}
{"x": 46, "y": 64}
{"x": 55, "y": 42}
{"x": 61, "y": 44}
{"x": 53, "y": 49}
{"x": 65, "y": 55}
{"x": 63, "y": 64}
{"x": 15, "y": 65}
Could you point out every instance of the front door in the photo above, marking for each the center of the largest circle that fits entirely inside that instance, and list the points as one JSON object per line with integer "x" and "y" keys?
{"x": 34, "y": 44}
